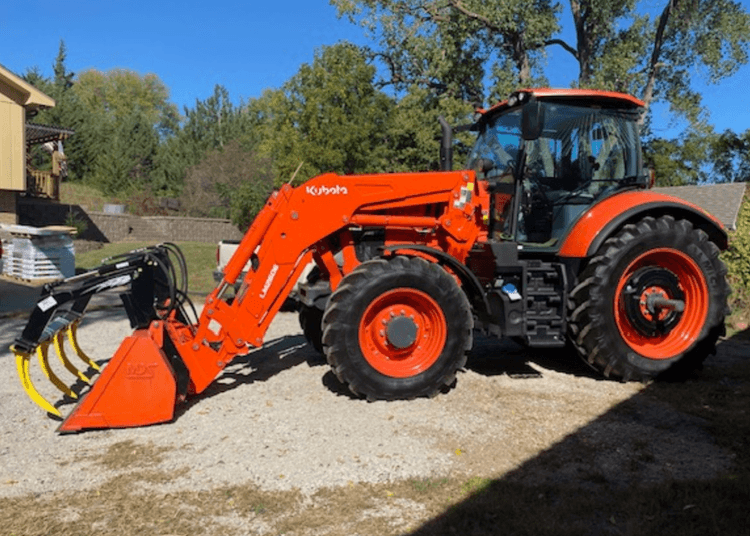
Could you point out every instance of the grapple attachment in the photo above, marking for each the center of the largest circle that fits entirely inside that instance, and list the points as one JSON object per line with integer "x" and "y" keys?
{"x": 168, "y": 357}
{"x": 139, "y": 385}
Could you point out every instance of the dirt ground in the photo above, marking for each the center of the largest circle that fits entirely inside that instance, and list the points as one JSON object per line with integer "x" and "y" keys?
{"x": 277, "y": 446}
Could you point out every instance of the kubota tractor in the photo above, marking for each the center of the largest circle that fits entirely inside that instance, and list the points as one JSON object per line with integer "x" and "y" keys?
{"x": 550, "y": 236}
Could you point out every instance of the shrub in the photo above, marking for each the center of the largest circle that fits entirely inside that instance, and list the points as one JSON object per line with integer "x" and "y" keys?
{"x": 737, "y": 259}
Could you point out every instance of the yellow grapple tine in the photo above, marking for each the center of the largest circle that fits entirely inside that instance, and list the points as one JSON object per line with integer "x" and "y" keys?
{"x": 64, "y": 359}
{"x": 42, "y": 352}
{"x": 22, "y": 365}
{"x": 72, "y": 337}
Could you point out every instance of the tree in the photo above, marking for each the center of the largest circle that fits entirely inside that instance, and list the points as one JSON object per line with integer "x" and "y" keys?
{"x": 128, "y": 116}
{"x": 452, "y": 46}
{"x": 414, "y": 131}
{"x": 63, "y": 79}
{"x": 113, "y": 95}
{"x": 209, "y": 125}
{"x": 228, "y": 182}
{"x": 617, "y": 44}
{"x": 705, "y": 36}
{"x": 679, "y": 161}
{"x": 730, "y": 157}
{"x": 329, "y": 117}
{"x": 125, "y": 162}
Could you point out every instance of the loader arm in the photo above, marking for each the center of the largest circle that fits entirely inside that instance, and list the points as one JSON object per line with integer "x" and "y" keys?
{"x": 169, "y": 358}
{"x": 296, "y": 226}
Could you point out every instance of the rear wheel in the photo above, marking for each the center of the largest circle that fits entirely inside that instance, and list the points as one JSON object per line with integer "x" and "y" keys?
{"x": 652, "y": 300}
{"x": 397, "y": 329}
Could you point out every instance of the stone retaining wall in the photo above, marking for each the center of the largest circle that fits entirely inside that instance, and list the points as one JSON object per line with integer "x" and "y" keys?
{"x": 103, "y": 227}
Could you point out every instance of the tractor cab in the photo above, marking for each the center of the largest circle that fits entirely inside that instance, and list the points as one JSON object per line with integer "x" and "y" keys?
{"x": 547, "y": 155}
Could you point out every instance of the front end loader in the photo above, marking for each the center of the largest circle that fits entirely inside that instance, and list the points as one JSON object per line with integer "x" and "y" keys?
{"x": 550, "y": 236}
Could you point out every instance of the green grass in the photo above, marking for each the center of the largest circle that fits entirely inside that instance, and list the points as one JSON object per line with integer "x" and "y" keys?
{"x": 75, "y": 193}
{"x": 200, "y": 258}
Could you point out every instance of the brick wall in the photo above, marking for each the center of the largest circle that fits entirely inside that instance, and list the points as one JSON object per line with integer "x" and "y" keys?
{"x": 104, "y": 227}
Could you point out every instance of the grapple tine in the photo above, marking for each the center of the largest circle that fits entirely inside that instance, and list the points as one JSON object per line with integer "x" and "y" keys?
{"x": 42, "y": 352}
{"x": 58, "y": 341}
{"x": 73, "y": 339}
{"x": 22, "y": 365}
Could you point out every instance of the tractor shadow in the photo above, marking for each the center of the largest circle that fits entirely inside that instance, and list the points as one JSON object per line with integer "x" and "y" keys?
{"x": 259, "y": 365}
{"x": 491, "y": 356}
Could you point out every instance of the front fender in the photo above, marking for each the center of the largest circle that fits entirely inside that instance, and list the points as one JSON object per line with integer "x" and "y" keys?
{"x": 610, "y": 214}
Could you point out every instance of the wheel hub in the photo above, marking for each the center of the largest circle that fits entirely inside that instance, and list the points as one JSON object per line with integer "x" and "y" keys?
{"x": 653, "y": 301}
{"x": 401, "y": 332}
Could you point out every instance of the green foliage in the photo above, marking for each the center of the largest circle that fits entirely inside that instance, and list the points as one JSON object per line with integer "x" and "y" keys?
{"x": 245, "y": 201}
{"x": 329, "y": 117}
{"x": 75, "y": 221}
{"x": 130, "y": 115}
{"x": 209, "y": 125}
{"x": 705, "y": 37}
{"x": 69, "y": 112}
{"x": 120, "y": 119}
{"x": 737, "y": 259}
{"x": 680, "y": 161}
{"x": 229, "y": 182}
{"x": 414, "y": 132}
{"x": 451, "y": 47}
{"x": 730, "y": 155}
{"x": 115, "y": 95}
{"x": 125, "y": 163}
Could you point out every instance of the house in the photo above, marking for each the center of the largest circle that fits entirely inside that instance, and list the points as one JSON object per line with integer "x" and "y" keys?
{"x": 20, "y": 101}
{"x": 722, "y": 200}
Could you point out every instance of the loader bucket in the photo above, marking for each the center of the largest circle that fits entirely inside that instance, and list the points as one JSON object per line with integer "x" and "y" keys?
{"x": 137, "y": 387}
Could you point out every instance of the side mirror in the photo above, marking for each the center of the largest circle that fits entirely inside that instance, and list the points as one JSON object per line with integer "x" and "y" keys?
{"x": 532, "y": 120}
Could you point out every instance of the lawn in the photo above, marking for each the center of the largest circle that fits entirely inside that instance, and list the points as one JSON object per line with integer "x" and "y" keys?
{"x": 200, "y": 258}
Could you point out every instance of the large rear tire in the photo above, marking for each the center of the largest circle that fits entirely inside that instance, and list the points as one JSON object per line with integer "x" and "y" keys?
{"x": 397, "y": 329}
{"x": 652, "y": 300}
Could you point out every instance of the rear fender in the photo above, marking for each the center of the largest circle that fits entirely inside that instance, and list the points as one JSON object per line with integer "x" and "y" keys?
{"x": 609, "y": 215}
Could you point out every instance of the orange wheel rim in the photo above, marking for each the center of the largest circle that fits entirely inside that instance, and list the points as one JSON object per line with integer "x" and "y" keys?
{"x": 402, "y": 333}
{"x": 666, "y": 275}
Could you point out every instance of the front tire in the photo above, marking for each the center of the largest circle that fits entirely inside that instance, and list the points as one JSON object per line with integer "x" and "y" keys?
{"x": 310, "y": 321}
{"x": 397, "y": 329}
{"x": 652, "y": 300}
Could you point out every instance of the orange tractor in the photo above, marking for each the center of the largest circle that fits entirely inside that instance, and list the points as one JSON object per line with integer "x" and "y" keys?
{"x": 550, "y": 236}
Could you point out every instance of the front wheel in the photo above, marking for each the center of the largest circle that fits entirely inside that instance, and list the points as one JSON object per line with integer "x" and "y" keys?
{"x": 309, "y": 320}
{"x": 397, "y": 329}
{"x": 651, "y": 300}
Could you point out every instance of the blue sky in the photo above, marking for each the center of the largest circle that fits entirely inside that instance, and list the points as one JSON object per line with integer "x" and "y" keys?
{"x": 245, "y": 46}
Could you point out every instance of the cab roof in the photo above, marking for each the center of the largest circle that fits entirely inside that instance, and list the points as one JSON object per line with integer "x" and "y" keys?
{"x": 579, "y": 96}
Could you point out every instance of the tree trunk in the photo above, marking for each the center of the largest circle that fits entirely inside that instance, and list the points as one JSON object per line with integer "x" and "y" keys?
{"x": 653, "y": 65}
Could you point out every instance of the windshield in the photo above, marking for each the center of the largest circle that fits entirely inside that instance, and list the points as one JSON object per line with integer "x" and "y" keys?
{"x": 579, "y": 147}
{"x": 497, "y": 147}
{"x": 583, "y": 154}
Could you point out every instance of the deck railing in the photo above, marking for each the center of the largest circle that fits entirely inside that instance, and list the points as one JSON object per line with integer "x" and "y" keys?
{"x": 42, "y": 184}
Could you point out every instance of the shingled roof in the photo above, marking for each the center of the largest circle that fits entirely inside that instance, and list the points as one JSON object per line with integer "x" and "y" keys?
{"x": 721, "y": 200}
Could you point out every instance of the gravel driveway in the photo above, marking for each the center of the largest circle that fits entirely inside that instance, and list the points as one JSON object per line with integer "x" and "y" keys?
{"x": 279, "y": 418}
